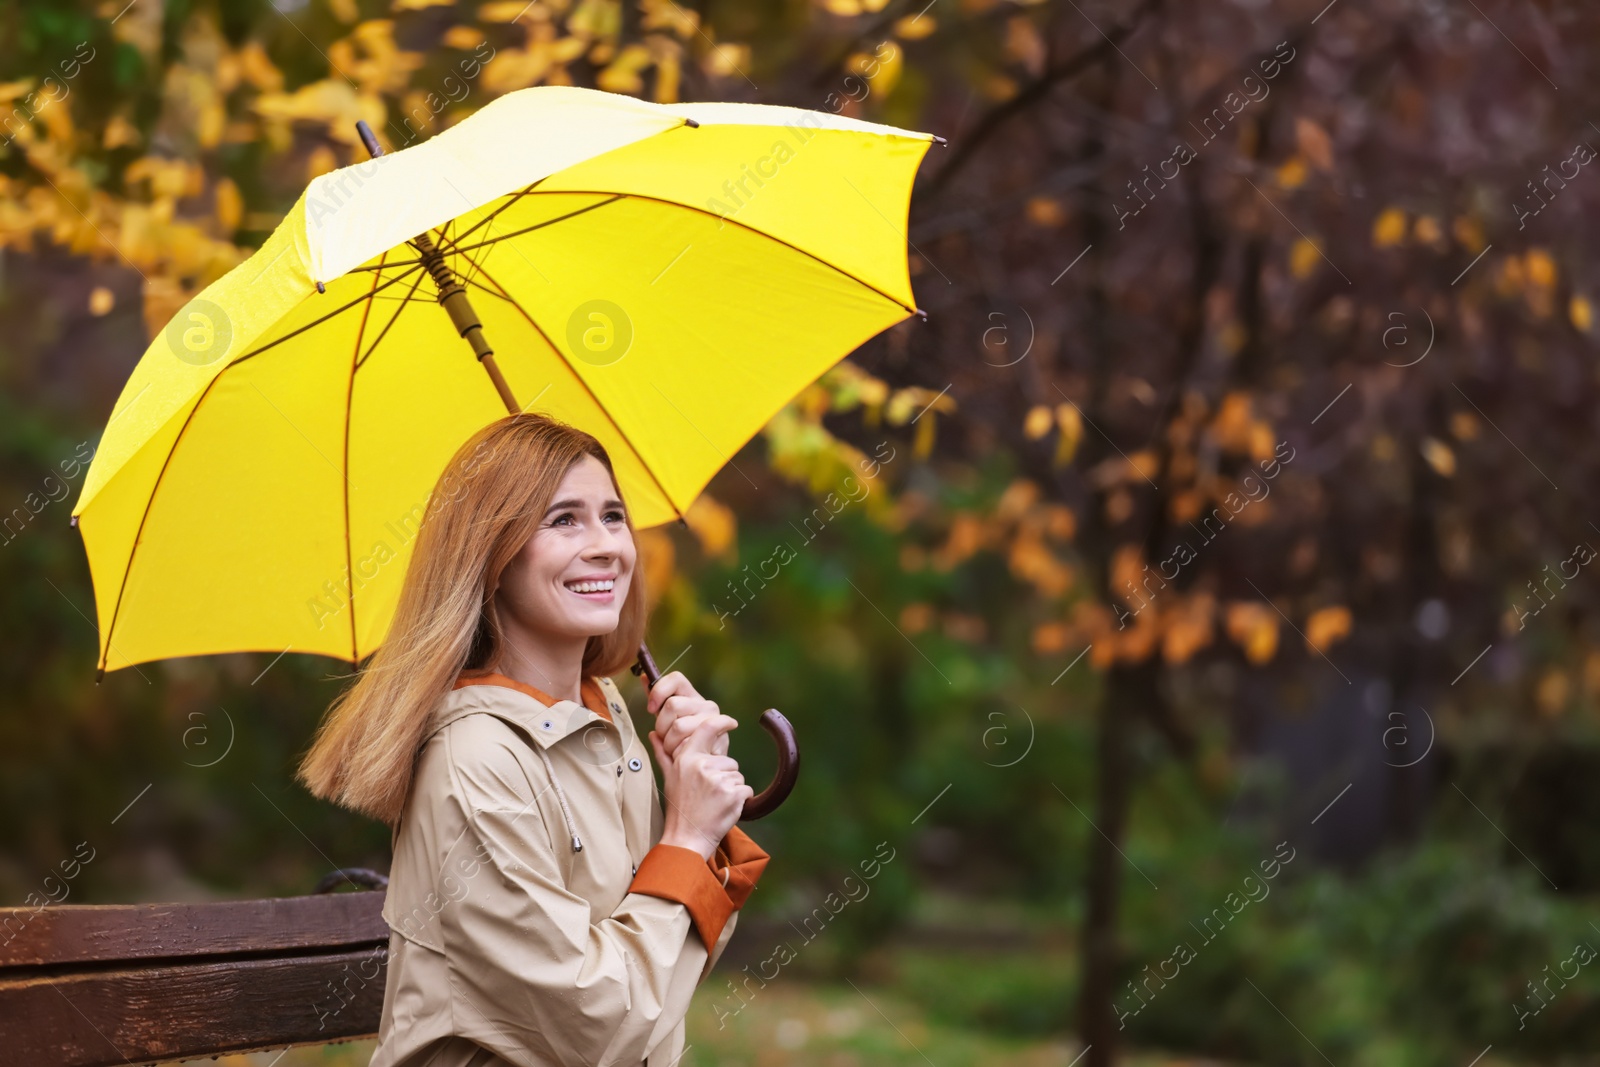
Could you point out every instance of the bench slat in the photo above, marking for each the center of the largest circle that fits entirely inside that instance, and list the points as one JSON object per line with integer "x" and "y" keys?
{"x": 88, "y": 933}
{"x": 150, "y": 1014}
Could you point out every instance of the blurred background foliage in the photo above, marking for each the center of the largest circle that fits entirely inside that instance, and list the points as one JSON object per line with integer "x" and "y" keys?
{"x": 1349, "y": 295}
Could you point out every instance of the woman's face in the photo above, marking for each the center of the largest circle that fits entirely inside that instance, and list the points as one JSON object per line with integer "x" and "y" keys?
{"x": 571, "y": 577}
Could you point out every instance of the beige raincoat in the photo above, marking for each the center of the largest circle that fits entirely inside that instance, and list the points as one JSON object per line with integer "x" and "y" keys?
{"x": 534, "y": 920}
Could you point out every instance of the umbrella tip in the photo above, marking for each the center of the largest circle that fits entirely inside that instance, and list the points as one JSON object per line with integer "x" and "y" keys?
{"x": 99, "y": 673}
{"x": 73, "y": 522}
{"x": 369, "y": 140}
{"x": 691, "y": 123}
{"x": 939, "y": 140}
{"x": 321, "y": 288}
{"x": 923, "y": 315}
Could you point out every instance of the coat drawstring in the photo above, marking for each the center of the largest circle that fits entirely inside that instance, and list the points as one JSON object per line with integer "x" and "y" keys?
{"x": 577, "y": 845}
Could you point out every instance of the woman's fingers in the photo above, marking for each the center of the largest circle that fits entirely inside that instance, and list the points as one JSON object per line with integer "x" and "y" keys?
{"x": 682, "y": 726}
{"x": 663, "y": 759}
{"x": 668, "y": 685}
{"x": 709, "y": 735}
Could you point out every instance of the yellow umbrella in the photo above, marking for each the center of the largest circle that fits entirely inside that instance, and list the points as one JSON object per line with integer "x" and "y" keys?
{"x": 665, "y": 277}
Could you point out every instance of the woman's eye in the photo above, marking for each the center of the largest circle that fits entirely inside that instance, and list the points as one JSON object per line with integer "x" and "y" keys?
{"x": 617, "y": 515}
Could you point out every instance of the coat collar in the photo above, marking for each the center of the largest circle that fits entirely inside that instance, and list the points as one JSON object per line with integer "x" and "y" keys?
{"x": 541, "y": 716}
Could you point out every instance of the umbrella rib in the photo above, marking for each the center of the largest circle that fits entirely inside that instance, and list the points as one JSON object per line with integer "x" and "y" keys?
{"x": 376, "y": 341}
{"x": 138, "y": 536}
{"x": 602, "y": 408}
{"x": 349, "y": 398}
{"x": 458, "y": 248}
{"x": 318, "y": 322}
{"x": 699, "y": 211}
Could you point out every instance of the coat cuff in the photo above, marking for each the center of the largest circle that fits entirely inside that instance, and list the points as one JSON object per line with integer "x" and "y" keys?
{"x": 680, "y": 874}
{"x": 743, "y": 860}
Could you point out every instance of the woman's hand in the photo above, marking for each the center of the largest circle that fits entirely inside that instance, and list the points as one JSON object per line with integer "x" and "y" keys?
{"x": 704, "y": 789}
{"x": 680, "y": 711}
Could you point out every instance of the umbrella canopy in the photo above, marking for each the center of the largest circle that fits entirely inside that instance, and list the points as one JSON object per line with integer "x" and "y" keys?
{"x": 665, "y": 277}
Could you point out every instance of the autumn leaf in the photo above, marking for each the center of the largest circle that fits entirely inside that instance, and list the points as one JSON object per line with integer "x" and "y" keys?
{"x": 1552, "y": 693}
{"x": 658, "y": 557}
{"x": 714, "y": 525}
{"x": 1253, "y": 626}
{"x": 1439, "y": 456}
{"x": 1293, "y": 173}
{"x": 1580, "y": 312}
{"x": 1189, "y": 628}
{"x": 1037, "y": 422}
{"x": 1327, "y": 626}
{"x": 1070, "y": 421}
{"x": 1389, "y": 228}
{"x": 1045, "y": 211}
{"x": 1313, "y": 143}
{"x": 916, "y": 617}
{"x": 1541, "y": 269}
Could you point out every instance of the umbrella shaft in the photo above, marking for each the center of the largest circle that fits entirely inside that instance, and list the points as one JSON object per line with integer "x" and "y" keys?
{"x": 453, "y": 295}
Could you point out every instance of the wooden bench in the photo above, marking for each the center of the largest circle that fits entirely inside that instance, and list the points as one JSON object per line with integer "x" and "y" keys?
{"x": 92, "y": 985}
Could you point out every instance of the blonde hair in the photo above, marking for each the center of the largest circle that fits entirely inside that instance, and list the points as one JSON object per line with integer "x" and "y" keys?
{"x": 486, "y": 504}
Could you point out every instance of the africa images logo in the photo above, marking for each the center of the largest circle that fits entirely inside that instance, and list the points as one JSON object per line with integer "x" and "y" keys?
{"x": 201, "y": 333}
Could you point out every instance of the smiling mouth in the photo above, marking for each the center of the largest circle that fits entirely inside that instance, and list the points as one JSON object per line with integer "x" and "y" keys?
{"x": 592, "y": 588}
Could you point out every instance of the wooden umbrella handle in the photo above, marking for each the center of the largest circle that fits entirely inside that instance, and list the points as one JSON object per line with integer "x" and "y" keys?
{"x": 765, "y": 802}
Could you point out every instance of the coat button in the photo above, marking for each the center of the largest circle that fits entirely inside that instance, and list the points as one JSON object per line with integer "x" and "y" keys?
{"x": 635, "y": 868}
{"x": 547, "y": 724}
{"x": 634, "y": 764}
{"x": 619, "y": 772}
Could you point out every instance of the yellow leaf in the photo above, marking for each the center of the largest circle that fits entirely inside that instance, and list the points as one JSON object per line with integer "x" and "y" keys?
{"x": 914, "y": 28}
{"x": 1293, "y": 173}
{"x": 119, "y": 132}
{"x": 466, "y": 38}
{"x": 1439, "y": 456}
{"x": 726, "y": 60}
{"x": 1030, "y": 561}
{"x": 1303, "y": 258}
{"x": 1036, "y": 423}
{"x": 1464, "y": 424}
{"x": 230, "y": 206}
{"x": 345, "y": 11}
{"x": 922, "y": 441}
{"x": 1254, "y": 627}
{"x": 1017, "y": 498}
{"x": 1188, "y": 628}
{"x": 622, "y": 75}
{"x": 502, "y": 10}
{"x": 1045, "y": 211}
{"x": 1070, "y": 421}
{"x": 713, "y": 524}
{"x": 1581, "y": 312}
{"x": 658, "y": 557}
{"x": 101, "y": 301}
{"x": 1389, "y": 228}
{"x": 1540, "y": 267}
{"x": 1326, "y": 626}
{"x": 842, "y": 7}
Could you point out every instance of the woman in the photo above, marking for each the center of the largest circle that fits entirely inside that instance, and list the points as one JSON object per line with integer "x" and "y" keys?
{"x": 542, "y": 910}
